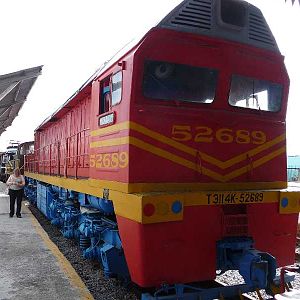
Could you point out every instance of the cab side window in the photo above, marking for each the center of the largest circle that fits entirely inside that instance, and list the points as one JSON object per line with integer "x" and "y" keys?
{"x": 116, "y": 83}
{"x": 105, "y": 97}
{"x": 110, "y": 92}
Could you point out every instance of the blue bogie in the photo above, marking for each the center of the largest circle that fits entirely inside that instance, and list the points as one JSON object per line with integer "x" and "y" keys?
{"x": 85, "y": 218}
{"x": 30, "y": 190}
{"x": 237, "y": 253}
{"x": 93, "y": 251}
{"x": 113, "y": 261}
{"x": 104, "y": 205}
{"x": 63, "y": 193}
{"x": 82, "y": 199}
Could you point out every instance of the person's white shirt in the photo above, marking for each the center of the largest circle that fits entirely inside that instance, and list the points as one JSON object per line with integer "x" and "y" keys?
{"x": 15, "y": 182}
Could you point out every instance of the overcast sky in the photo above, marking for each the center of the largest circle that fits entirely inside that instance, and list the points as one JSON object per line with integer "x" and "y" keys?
{"x": 73, "y": 38}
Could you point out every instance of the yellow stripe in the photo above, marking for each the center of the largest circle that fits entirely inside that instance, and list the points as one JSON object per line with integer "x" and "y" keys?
{"x": 131, "y": 205}
{"x": 110, "y": 142}
{"x": 292, "y": 204}
{"x": 196, "y": 199}
{"x": 64, "y": 264}
{"x": 214, "y": 186}
{"x": 255, "y": 164}
{"x": 251, "y": 153}
{"x": 110, "y": 129}
{"x": 86, "y": 186}
{"x": 163, "y": 202}
{"x": 174, "y": 158}
{"x": 126, "y": 205}
{"x": 221, "y": 164}
{"x": 269, "y": 157}
{"x": 95, "y": 186}
{"x": 184, "y": 162}
{"x": 194, "y": 152}
{"x": 154, "y": 150}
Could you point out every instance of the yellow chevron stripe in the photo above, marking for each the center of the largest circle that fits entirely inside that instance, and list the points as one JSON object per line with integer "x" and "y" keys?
{"x": 268, "y": 157}
{"x": 255, "y": 163}
{"x": 184, "y": 162}
{"x": 221, "y": 164}
{"x": 157, "y": 151}
{"x": 174, "y": 158}
{"x": 189, "y": 150}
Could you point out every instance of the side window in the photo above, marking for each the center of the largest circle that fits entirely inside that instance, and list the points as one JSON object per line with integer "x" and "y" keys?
{"x": 116, "y": 84}
{"x": 105, "y": 97}
{"x": 110, "y": 92}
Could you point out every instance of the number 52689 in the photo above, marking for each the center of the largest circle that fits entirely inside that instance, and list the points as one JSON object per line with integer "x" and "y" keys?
{"x": 203, "y": 134}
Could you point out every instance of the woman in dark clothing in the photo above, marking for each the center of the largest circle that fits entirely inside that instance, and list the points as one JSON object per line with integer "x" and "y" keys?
{"x": 15, "y": 184}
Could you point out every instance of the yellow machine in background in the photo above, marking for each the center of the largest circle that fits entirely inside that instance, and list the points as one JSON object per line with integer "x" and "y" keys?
{"x": 13, "y": 158}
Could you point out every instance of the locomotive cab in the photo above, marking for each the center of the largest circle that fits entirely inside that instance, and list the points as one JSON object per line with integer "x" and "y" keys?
{"x": 211, "y": 94}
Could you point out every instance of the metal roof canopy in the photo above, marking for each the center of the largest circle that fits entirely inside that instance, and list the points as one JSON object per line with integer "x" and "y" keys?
{"x": 14, "y": 89}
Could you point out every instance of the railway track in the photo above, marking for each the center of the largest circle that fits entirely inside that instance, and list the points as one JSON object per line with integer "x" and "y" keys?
{"x": 243, "y": 297}
{"x": 207, "y": 290}
{"x": 240, "y": 296}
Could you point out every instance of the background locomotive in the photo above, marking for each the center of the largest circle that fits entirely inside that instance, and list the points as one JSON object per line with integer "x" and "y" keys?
{"x": 13, "y": 158}
{"x": 169, "y": 163}
{"x": 7, "y": 160}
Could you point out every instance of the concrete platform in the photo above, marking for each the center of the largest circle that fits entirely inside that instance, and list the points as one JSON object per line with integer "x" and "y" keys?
{"x": 32, "y": 267}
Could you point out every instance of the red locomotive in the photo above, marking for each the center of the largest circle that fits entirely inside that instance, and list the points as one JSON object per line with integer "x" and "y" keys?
{"x": 185, "y": 134}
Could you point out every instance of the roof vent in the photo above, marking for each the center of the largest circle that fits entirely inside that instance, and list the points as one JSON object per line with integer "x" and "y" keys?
{"x": 259, "y": 30}
{"x": 233, "y": 13}
{"x": 194, "y": 14}
{"x": 233, "y": 20}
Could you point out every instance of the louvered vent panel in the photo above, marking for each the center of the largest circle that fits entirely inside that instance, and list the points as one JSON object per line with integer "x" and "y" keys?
{"x": 195, "y": 14}
{"x": 235, "y": 225}
{"x": 259, "y": 31}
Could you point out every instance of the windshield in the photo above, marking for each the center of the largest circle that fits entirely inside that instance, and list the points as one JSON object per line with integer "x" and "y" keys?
{"x": 168, "y": 81}
{"x": 255, "y": 94}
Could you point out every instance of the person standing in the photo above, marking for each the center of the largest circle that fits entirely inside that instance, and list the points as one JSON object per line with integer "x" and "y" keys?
{"x": 15, "y": 184}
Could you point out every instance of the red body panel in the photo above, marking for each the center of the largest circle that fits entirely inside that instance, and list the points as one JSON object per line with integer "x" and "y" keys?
{"x": 62, "y": 145}
{"x": 273, "y": 233}
{"x": 228, "y": 58}
{"x": 186, "y": 251}
{"x": 172, "y": 252}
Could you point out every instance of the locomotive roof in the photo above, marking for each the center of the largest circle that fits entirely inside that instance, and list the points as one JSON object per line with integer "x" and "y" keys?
{"x": 14, "y": 89}
{"x": 234, "y": 20}
{"x": 106, "y": 65}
